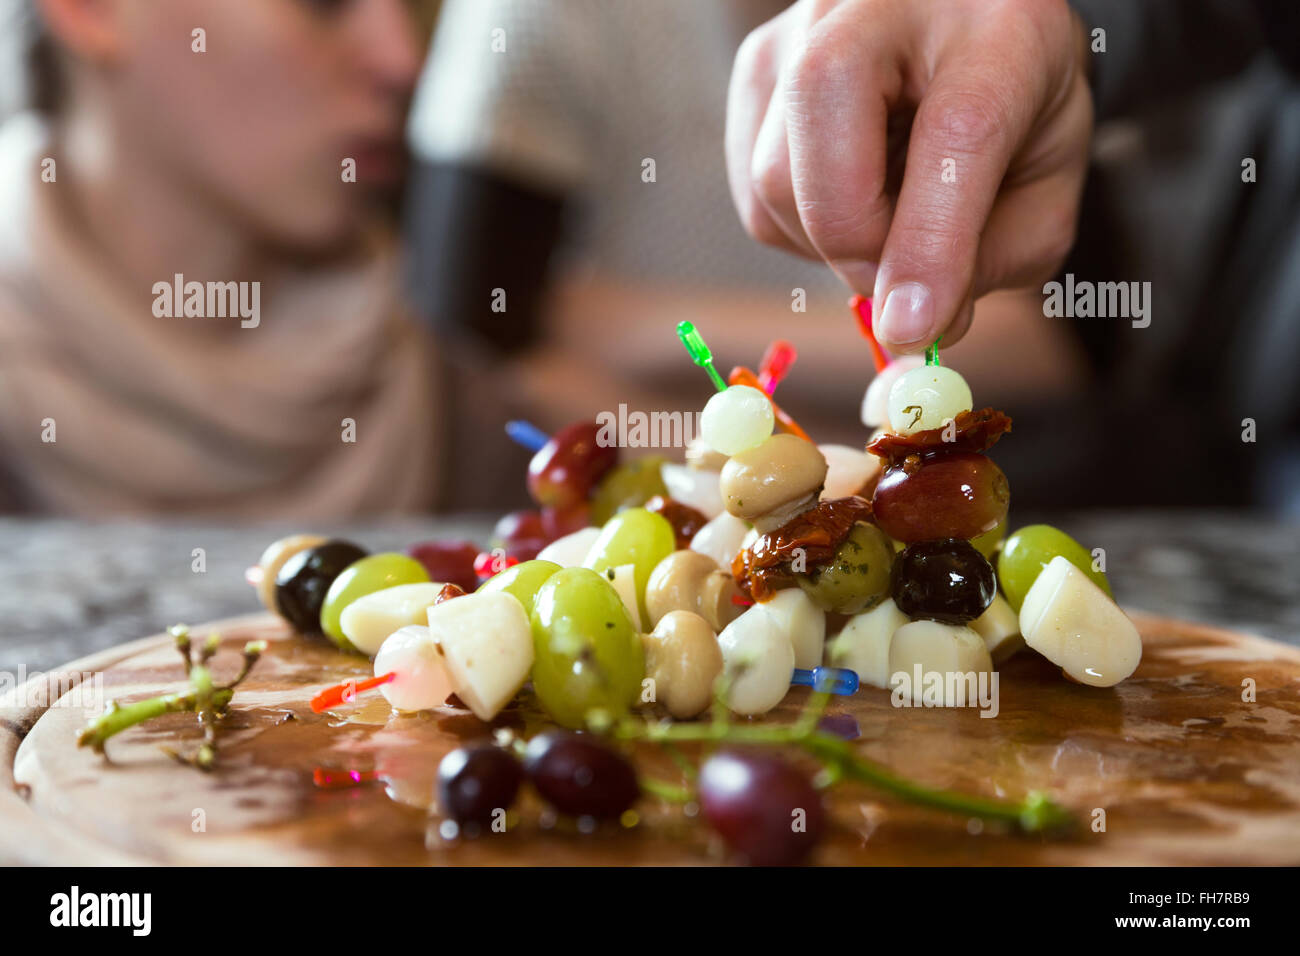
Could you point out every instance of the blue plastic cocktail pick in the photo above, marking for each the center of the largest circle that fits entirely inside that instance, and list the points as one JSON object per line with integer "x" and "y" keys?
{"x": 527, "y": 434}
{"x": 834, "y": 680}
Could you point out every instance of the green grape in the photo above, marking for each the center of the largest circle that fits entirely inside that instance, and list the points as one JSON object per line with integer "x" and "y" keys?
{"x": 523, "y": 581}
{"x": 370, "y": 574}
{"x": 628, "y": 485}
{"x": 857, "y": 576}
{"x": 587, "y": 652}
{"x": 1029, "y": 550}
{"x": 988, "y": 543}
{"x": 637, "y": 537}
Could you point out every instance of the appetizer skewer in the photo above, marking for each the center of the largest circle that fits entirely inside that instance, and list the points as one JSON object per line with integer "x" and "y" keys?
{"x": 731, "y": 566}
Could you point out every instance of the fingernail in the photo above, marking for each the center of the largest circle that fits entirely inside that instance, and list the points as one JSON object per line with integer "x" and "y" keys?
{"x": 858, "y": 274}
{"x": 908, "y": 315}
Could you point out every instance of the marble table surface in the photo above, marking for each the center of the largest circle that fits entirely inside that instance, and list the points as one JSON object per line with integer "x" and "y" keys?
{"x": 69, "y": 588}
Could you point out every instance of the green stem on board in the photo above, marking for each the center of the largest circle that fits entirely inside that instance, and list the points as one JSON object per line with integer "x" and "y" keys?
{"x": 1035, "y": 813}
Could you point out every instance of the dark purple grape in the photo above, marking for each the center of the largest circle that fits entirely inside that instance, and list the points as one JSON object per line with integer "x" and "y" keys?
{"x": 302, "y": 583}
{"x": 946, "y": 580}
{"x": 766, "y": 810}
{"x": 579, "y": 775}
{"x": 475, "y": 782}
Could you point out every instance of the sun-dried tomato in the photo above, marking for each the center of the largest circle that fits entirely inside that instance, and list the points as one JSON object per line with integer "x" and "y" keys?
{"x": 970, "y": 432}
{"x": 764, "y": 568}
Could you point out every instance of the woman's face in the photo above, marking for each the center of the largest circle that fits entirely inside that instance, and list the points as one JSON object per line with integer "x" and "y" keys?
{"x": 285, "y": 95}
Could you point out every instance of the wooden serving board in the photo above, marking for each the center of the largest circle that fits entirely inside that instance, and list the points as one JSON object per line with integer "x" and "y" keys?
{"x": 1185, "y": 769}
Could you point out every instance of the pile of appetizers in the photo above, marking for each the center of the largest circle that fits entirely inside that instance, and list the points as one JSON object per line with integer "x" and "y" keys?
{"x": 713, "y": 585}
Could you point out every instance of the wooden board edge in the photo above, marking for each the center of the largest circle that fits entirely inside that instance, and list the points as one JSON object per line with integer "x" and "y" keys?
{"x": 26, "y": 838}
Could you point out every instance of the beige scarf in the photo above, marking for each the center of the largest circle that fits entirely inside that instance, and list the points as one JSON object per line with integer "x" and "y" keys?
{"x": 199, "y": 416}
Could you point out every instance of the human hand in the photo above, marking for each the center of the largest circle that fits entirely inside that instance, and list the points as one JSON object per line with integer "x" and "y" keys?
{"x": 929, "y": 150}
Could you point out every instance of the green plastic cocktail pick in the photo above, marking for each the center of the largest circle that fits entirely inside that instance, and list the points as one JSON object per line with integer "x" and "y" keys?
{"x": 699, "y": 352}
{"x": 932, "y": 353}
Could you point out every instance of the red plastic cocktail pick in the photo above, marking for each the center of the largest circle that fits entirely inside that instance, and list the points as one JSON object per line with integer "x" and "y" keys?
{"x": 743, "y": 376}
{"x": 337, "y": 779}
{"x": 491, "y": 563}
{"x": 861, "y": 305}
{"x": 344, "y": 692}
{"x": 778, "y": 358}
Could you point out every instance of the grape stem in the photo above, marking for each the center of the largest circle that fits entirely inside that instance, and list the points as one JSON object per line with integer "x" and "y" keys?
{"x": 210, "y": 701}
{"x": 1036, "y": 813}
{"x": 668, "y": 792}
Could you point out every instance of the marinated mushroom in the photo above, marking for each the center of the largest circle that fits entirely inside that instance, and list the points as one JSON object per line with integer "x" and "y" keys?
{"x": 690, "y": 581}
{"x": 683, "y": 659}
{"x": 774, "y": 481}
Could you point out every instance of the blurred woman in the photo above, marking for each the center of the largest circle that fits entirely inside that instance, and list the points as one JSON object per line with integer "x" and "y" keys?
{"x": 198, "y": 307}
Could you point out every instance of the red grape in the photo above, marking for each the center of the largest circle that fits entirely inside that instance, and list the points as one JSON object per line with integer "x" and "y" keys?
{"x": 951, "y": 495}
{"x": 948, "y": 581}
{"x": 518, "y": 526}
{"x": 475, "y": 782}
{"x": 579, "y": 775}
{"x": 521, "y": 534}
{"x": 766, "y": 810}
{"x": 567, "y": 467}
{"x": 451, "y": 562}
{"x": 557, "y": 522}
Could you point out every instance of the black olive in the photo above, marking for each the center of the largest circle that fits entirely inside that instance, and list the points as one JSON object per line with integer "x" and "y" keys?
{"x": 945, "y": 580}
{"x": 302, "y": 583}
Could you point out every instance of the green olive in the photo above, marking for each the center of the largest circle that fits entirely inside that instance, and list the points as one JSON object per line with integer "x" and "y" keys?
{"x": 857, "y": 577}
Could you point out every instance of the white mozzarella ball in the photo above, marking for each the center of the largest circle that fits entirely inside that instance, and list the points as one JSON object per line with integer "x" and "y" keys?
{"x": 422, "y": 680}
{"x": 847, "y": 470}
{"x": 802, "y": 621}
{"x": 368, "y": 620}
{"x": 697, "y": 487}
{"x": 875, "y": 400}
{"x": 571, "y": 550}
{"x": 863, "y": 645}
{"x": 999, "y": 627}
{"x": 942, "y": 653}
{"x": 1075, "y": 625}
{"x": 721, "y": 538}
{"x": 737, "y": 418}
{"x": 758, "y": 660}
{"x": 487, "y": 644}
{"x": 925, "y": 398}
